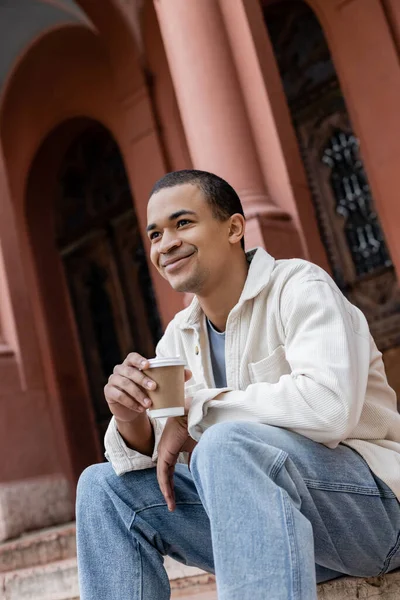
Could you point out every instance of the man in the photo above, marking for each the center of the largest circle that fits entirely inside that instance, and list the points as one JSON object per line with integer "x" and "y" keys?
{"x": 292, "y": 428}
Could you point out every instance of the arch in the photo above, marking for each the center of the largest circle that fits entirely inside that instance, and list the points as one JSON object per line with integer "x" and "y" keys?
{"x": 75, "y": 62}
{"x": 54, "y": 231}
{"x": 371, "y": 85}
{"x": 112, "y": 20}
{"x": 310, "y": 80}
{"x": 323, "y": 10}
{"x": 73, "y": 419}
{"x": 350, "y": 228}
{"x": 23, "y": 22}
{"x": 69, "y": 72}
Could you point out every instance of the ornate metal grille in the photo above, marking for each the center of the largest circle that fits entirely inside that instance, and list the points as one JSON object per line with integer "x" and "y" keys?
{"x": 343, "y": 202}
{"x": 354, "y": 203}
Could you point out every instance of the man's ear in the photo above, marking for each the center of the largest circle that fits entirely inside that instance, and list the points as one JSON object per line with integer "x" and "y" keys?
{"x": 237, "y": 226}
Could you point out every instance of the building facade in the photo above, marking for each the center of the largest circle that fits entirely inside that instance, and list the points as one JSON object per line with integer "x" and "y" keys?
{"x": 295, "y": 103}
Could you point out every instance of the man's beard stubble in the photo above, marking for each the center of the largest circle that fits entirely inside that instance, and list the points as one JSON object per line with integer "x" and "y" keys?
{"x": 194, "y": 284}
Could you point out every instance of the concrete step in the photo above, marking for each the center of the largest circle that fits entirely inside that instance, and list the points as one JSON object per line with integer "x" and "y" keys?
{"x": 55, "y": 581}
{"x": 202, "y": 591}
{"x": 38, "y": 548}
{"x": 354, "y": 588}
{"x": 59, "y": 581}
{"x": 42, "y": 566}
{"x": 347, "y": 588}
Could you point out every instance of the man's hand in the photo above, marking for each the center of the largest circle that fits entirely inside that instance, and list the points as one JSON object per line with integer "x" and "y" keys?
{"x": 127, "y": 396}
{"x": 127, "y": 388}
{"x": 175, "y": 439}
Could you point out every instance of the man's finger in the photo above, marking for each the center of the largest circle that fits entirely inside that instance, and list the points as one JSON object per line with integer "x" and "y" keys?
{"x": 123, "y": 390}
{"x": 135, "y": 375}
{"x": 171, "y": 505}
{"x": 164, "y": 474}
{"x": 136, "y": 360}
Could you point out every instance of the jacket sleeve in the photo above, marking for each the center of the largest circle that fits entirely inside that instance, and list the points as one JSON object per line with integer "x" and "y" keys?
{"x": 327, "y": 345}
{"x": 123, "y": 458}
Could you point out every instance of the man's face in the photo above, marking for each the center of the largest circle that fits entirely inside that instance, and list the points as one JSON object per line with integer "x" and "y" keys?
{"x": 189, "y": 246}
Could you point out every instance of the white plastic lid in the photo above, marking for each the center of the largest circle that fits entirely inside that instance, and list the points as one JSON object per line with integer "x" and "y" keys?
{"x": 159, "y": 413}
{"x": 173, "y": 361}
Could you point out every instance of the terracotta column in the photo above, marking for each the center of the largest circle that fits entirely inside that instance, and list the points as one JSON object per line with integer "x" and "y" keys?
{"x": 30, "y": 474}
{"x": 392, "y": 13}
{"x": 270, "y": 119}
{"x": 214, "y": 116}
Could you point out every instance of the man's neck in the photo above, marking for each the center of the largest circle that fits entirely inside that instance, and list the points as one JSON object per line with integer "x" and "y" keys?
{"x": 219, "y": 302}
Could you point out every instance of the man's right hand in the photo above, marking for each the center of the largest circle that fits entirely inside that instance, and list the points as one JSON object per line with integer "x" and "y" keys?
{"x": 127, "y": 388}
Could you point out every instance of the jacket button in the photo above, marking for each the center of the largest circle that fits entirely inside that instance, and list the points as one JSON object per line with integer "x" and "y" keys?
{"x": 196, "y": 350}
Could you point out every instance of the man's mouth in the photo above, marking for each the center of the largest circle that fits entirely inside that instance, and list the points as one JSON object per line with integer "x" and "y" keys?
{"x": 175, "y": 263}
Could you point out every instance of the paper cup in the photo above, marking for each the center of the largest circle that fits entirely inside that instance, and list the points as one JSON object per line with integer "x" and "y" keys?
{"x": 169, "y": 396}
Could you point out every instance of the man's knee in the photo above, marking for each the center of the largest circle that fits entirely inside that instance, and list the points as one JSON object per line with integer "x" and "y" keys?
{"x": 220, "y": 439}
{"x": 229, "y": 442}
{"x": 219, "y": 434}
{"x": 216, "y": 436}
{"x": 91, "y": 482}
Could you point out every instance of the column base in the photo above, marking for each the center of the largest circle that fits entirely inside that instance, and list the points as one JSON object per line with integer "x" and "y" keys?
{"x": 34, "y": 504}
{"x": 279, "y": 236}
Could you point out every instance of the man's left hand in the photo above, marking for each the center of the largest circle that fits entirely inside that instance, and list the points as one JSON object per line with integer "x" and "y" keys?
{"x": 175, "y": 439}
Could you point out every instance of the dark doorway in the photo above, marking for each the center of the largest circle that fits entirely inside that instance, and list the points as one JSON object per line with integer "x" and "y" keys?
{"x": 344, "y": 207}
{"x": 104, "y": 261}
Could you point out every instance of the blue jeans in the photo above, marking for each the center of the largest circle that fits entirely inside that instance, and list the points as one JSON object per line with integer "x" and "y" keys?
{"x": 268, "y": 510}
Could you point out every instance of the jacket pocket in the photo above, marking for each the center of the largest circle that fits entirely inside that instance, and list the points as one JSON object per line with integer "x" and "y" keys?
{"x": 271, "y": 368}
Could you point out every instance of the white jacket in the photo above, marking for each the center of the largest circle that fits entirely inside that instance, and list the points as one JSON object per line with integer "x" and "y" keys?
{"x": 298, "y": 355}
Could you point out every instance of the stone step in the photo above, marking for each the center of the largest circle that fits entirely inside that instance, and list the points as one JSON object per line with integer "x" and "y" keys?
{"x": 42, "y": 566}
{"x": 354, "y": 588}
{"x": 38, "y": 548}
{"x": 346, "y": 588}
{"x": 205, "y": 591}
{"x": 55, "y": 581}
{"x": 59, "y": 581}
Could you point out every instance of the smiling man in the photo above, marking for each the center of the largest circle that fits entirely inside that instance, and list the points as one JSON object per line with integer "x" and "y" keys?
{"x": 292, "y": 428}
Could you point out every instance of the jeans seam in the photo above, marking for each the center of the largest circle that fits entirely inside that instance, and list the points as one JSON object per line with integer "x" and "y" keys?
{"x": 293, "y": 546}
{"x": 140, "y": 510}
{"x": 388, "y": 560}
{"x": 141, "y": 571}
{"x": 346, "y": 487}
{"x": 158, "y": 505}
{"x": 278, "y": 463}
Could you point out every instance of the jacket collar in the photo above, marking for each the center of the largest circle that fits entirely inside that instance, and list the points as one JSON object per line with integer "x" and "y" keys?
{"x": 260, "y": 270}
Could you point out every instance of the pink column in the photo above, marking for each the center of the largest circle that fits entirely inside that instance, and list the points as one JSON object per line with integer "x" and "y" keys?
{"x": 392, "y": 12}
{"x": 214, "y": 116}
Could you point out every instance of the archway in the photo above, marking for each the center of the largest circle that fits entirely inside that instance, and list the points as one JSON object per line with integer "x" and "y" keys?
{"x": 93, "y": 276}
{"x": 345, "y": 210}
{"x": 66, "y": 72}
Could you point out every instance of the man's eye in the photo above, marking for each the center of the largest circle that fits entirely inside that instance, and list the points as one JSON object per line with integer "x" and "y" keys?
{"x": 182, "y": 222}
{"x": 154, "y": 235}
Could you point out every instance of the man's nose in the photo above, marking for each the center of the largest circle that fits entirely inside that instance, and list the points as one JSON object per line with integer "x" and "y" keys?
{"x": 169, "y": 241}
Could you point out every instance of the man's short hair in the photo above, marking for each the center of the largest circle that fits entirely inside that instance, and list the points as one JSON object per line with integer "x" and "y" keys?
{"x": 221, "y": 196}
